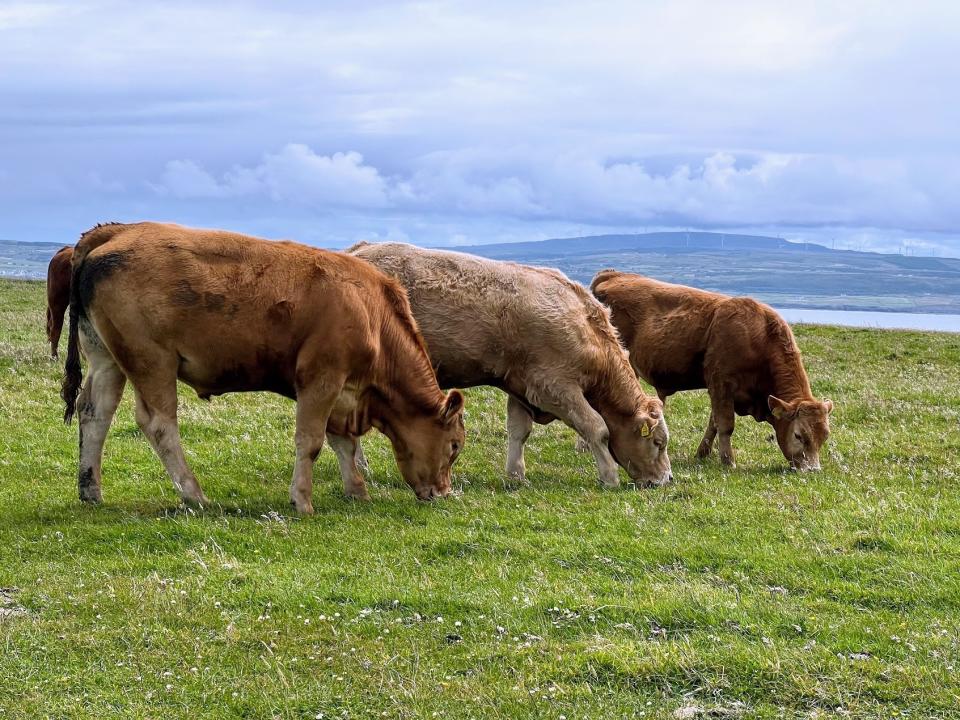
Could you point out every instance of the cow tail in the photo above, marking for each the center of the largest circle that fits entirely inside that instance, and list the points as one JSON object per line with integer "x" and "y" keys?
{"x": 72, "y": 370}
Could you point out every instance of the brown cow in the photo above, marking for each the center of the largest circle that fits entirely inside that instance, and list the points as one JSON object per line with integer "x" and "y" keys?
{"x": 58, "y": 295}
{"x": 682, "y": 338}
{"x": 229, "y": 313}
{"x": 541, "y": 338}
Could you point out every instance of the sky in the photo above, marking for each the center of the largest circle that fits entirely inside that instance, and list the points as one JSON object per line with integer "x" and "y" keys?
{"x": 453, "y": 123}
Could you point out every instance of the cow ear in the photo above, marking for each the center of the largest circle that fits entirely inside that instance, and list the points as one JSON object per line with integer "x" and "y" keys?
{"x": 828, "y": 406}
{"x": 778, "y": 407}
{"x": 453, "y": 405}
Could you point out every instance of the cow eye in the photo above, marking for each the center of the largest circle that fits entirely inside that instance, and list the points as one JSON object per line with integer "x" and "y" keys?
{"x": 798, "y": 436}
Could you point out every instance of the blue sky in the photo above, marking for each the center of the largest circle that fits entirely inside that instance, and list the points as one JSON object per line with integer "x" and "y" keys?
{"x": 455, "y": 122}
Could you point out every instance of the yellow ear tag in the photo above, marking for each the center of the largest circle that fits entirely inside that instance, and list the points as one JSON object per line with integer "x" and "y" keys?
{"x": 645, "y": 430}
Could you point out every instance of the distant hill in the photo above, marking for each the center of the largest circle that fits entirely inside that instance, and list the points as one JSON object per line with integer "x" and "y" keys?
{"x": 668, "y": 242}
{"x": 771, "y": 269}
{"x": 782, "y": 273}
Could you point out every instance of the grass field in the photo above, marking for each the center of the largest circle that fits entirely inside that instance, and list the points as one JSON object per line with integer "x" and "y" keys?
{"x": 754, "y": 593}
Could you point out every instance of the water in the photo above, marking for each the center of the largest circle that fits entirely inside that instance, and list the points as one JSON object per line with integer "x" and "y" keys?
{"x": 872, "y": 319}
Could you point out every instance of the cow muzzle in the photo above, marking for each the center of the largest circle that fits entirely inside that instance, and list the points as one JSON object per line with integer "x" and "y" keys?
{"x": 806, "y": 465}
{"x": 431, "y": 493}
{"x": 645, "y": 481}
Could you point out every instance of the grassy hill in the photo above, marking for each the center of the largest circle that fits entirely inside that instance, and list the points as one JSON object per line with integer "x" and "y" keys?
{"x": 755, "y": 592}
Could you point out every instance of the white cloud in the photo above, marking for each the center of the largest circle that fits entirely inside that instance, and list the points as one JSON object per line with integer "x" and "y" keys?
{"x": 186, "y": 179}
{"x": 295, "y": 174}
{"x": 719, "y": 190}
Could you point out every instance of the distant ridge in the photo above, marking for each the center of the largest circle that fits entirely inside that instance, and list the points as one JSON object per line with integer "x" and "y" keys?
{"x": 777, "y": 271}
{"x": 663, "y": 242}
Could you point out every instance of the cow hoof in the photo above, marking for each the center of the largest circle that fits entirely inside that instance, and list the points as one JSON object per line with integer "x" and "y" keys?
{"x": 703, "y": 452}
{"x": 90, "y": 497}
{"x": 359, "y": 494}
{"x": 196, "y": 501}
{"x": 302, "y": 507}
{"x": 515, "y": 479}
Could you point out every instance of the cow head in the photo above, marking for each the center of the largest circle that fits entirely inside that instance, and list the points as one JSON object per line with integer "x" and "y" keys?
{"x": 426, "y": 447}
{"x": 802, "y": 426}
{"x": 639, "y": 444}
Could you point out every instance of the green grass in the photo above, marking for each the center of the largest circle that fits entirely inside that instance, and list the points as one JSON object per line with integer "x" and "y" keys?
{"x": 757, "y": 591}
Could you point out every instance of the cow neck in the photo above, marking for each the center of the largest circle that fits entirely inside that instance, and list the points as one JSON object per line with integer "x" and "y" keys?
{"x": 404, "y": 378}
{"x": 789, "y": 376}
{"x": 617, "y": 388}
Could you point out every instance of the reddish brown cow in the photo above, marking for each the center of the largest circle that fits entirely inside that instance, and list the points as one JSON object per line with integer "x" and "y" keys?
{"x": 229, "y": 313}
{"x": 740, "y": 350}
{"x": 58, "y": 295}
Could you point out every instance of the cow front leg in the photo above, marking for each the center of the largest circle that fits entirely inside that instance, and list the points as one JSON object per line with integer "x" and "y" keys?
{"x": 314, "y": 405}
{"x": 360, "y": 459}
{"x": 347, "y": 449}
{"x": 573, "y": 408}
{"x": 724, "y": 419}
{"x": 519, "y": 425}
{"x": 706, "y": 445}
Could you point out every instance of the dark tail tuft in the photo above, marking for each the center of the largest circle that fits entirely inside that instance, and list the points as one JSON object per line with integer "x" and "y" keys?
{"x": 73, "y": 373}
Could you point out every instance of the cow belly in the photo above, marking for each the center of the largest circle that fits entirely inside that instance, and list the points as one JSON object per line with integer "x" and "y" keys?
{"x": 239, "y": 374}
{"x": 671, "y": 382}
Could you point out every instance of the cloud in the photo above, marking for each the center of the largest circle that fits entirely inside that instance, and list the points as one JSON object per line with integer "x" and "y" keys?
{"x": 295, "y": 174}
{"x": 719, "y": 190}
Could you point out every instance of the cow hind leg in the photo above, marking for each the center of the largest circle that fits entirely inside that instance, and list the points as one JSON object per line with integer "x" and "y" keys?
{"x": 519, "y": 425}
{"x": 347, "y": 449}
{"x": 55, "y": 313}
{"x": 97, "y": 405}
{"x": 53, "y": 344}
{"x": 314, "y": 405}
{"x": 706, "y": 445}
{"x": 156, "y": 414}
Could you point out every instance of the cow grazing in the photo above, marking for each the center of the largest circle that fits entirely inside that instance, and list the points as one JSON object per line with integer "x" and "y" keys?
{"x": 740, "y": 350}
{"x": 58, "y": 295}
{"x": 541, "y": 338}
{"x": 229, "y": 313}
